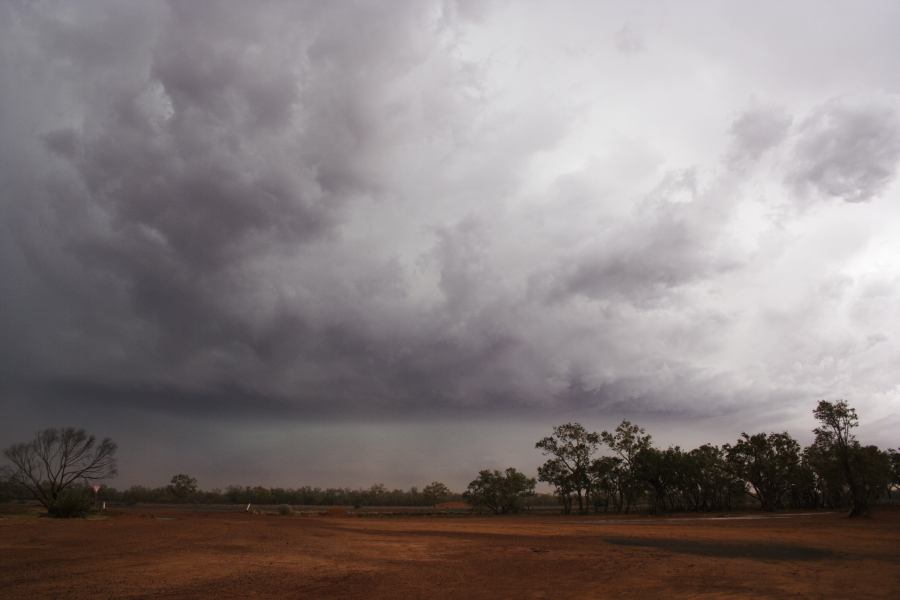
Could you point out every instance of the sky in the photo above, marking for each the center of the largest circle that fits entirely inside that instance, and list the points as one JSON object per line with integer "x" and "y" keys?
{"x": 339, "y": 243}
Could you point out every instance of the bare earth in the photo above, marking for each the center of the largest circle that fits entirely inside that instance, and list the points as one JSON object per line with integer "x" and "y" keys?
{"x": 238, "y": 555}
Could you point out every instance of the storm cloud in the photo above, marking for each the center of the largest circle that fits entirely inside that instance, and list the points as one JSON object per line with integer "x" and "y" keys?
{"x": 283, "y": 213}
{"x": 847, "y": 150}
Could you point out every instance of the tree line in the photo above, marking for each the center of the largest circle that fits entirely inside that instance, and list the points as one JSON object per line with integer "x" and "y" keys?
{"x": 184, "y": 488}
{"x": 59, "y": 466}
{"x": 835, "y": 471}
{"x": 77, "y": 499}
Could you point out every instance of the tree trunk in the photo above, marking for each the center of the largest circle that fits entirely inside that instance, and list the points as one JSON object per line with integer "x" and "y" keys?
{"x": 859, "y": 505}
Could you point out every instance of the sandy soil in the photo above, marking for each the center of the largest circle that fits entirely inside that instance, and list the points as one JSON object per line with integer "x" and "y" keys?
{"x": 239, "y": 555}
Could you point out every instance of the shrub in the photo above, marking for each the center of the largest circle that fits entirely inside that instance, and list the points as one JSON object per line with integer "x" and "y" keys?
{"x": 72, "y": 502}
{"x": 500, "y": 492}
{"x": 285, "y": 510}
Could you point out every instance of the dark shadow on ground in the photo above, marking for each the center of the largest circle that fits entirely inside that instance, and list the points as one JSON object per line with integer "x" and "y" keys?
{"x": 725, "y": 550}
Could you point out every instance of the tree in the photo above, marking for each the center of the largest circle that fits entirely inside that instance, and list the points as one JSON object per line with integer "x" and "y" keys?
{"x": 55, "y": 459}
{"x": 828, "y": 474}
{"x": 571, "y": 447}
{"x": 804, "y": 489}
{"x": 708, "y": 473}
{"x": 435, "y": 492}
{"x": 837, "y": 419}
{"x": 500, "y": 492}
{"x": 182, "y": 487}
{"x": 6, "y": 485}
{"x": 554, "y": 471}
{"x": 606, "y": 476}
{"x": 769, "y": 463}
{"x": 627, "y": 442}
{"x": 874, "y": 471}
{"x": 894, "y": 456}
{"x": 658, "y": 469}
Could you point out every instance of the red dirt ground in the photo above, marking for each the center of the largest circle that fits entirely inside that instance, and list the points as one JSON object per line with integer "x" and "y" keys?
{"x": 240, "y": 555}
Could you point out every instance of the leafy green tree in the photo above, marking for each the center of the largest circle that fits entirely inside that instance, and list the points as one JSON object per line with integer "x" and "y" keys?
{"x": 828, "y": 474}
{"x": 695, "y": 480}
{"x": 627, "y": 442}
{"x": 894, "y": 456}
{"x": 769, "y": 463}
{"x": 183, "y": 487}
{"x": 554, "y": 471}
{"x": 374, "y": 496}
{"x": 871, "y": 468}
{"x": 718, "y": 487}
{"x": 606, "y": 477}
{"x": 803, "y": 491}
{"x": 57, "y": 459}
{"x": 571, "y": 448}
{"x": 874, "y": 471}
{"x": 435, "y": 492}
{"x": 835, "y": 436}
{"x": 500, "y": 492}
{"x": 656, "y": 469}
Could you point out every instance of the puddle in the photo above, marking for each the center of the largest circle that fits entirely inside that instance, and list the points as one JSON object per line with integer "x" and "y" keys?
{"x": 653, "y": 521}
{"x": 725, "y": 550}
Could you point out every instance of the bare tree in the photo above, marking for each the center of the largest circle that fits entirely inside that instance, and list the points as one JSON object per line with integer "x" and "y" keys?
{"x": 57, "y": 458}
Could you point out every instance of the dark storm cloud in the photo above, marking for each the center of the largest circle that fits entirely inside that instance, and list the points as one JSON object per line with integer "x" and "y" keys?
{"x": 210, "y": 183}
{"x": 847, "y": 149}
{"x": 181, "y": 172}
{"x": 292, "y": 210}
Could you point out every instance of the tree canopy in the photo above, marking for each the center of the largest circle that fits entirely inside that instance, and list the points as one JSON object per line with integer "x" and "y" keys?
{"x": 771, "y": 468}
{"x": 500, "y": 492}
{"x": 571, "y": 448}
{"x": 435, "y": 492}
{"x": 183, "y": 487}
